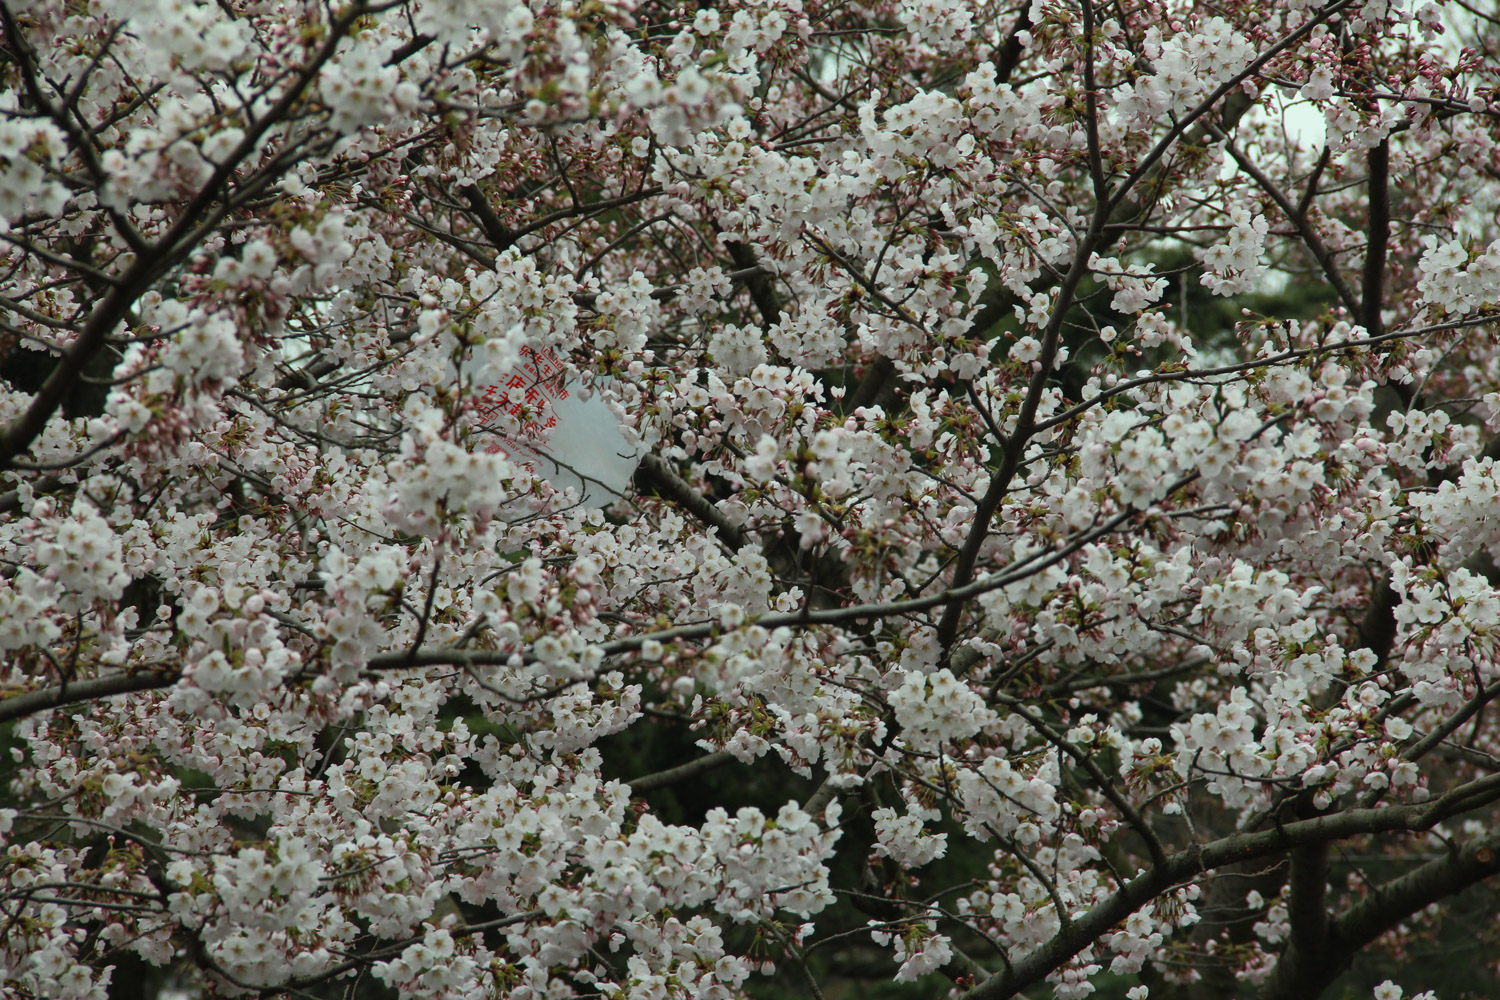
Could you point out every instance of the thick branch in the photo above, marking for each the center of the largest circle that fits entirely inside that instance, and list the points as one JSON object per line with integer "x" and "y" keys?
{"x": 1085, "y": 929}
{"x": 758, "y": 282}
{"x": 1377, "y": 631}
{"x": 1302, "y": 977}
{"x": 18, "y": 435}
{"x": 683, "y": 772}
{"x": 10, "y": 500}
{"x": 1372, "y": 296}
{"x": 80, "y": 691}
{"x": 501, "y": 236}
{"x": 1307, "y": 891}
{"x": 871, "y": 388}
{"x": 658, "y": 475}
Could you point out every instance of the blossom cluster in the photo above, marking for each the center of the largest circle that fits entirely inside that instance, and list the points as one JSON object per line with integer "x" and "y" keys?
{"x": 1057, "y": 481}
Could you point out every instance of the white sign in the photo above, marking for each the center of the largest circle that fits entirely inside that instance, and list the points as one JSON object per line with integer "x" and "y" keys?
{"x": 542, "y": 422}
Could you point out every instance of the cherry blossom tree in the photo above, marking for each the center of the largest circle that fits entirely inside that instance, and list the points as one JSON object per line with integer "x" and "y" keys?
{"x": 983, "y": 604}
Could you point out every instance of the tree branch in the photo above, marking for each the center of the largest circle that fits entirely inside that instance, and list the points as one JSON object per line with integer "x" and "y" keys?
{"x": 1308, "y": 975}
{"x": 683, "y": 772}
{"x": 1088, "y": 927}
{"x": 23, "y": 705}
